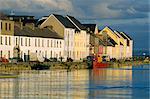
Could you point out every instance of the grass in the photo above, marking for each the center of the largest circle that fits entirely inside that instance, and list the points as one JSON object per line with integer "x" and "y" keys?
{"x": 7, "y": 76}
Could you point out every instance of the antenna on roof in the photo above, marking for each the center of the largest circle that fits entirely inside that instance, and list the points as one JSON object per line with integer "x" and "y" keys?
{"x": 12, "y": 12}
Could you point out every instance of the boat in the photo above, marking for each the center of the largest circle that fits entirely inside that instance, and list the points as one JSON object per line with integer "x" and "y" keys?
{"x": 97, "y": 62}
{"x": 100, "y": 62}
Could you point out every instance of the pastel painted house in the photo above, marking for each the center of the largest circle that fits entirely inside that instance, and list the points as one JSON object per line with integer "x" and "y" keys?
{"x": 65, "y": 29}
{"x": 81, "y": 39}
{"x": 122, "y": 43}
{"x": 6, "y": 38}
{"x": 18, "y": 40}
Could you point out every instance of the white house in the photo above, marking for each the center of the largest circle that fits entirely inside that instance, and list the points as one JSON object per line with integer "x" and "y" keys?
{"x": 65, "y": 29}
{"x": 28, "y": 39}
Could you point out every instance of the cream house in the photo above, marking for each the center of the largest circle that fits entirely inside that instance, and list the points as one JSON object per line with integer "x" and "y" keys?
{"x": 81, "y": 39}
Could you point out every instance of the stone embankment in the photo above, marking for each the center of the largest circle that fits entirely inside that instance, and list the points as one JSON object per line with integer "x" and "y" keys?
{"x": 13, "y": 68}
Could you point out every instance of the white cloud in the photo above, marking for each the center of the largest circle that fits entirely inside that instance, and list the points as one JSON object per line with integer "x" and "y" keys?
{"x": 36, "y": 5}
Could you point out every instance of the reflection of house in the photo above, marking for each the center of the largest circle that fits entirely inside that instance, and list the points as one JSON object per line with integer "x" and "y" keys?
{"x": 121, "y": 43}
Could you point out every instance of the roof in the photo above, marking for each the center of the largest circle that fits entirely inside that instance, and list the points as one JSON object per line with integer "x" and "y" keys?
{"x": 110, "y": 40}
{"x": 29, "y": 21}
{"x": 39, "y": 22}
{"x": 76, "y": 22}
{"x": 64, "y": 21}
{"x": 127, "y": 36}
{"x": 90, "y": 26}
{"x": 37, "y": 32}
{"x": 20, "y": 16}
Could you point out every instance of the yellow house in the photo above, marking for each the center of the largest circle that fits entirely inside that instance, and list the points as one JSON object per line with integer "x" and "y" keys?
{"x": 6, "y": 27}
{"x": 122, "y": 48}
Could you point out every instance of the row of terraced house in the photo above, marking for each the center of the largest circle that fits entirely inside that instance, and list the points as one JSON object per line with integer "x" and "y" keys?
{"x": 56, "y": 36}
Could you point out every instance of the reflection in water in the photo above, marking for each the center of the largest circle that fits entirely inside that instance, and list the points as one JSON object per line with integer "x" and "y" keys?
{"x": 116, "y": 83}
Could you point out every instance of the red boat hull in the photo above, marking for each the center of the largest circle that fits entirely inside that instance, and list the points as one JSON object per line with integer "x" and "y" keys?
{"x": 100, "y": 65}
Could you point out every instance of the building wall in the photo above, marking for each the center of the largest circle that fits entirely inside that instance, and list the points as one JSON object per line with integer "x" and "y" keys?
{"x": 6, "y": 46}
{"x": 54, "y": 24}
{"x": 46, "y": 47}
{"x": 69, "y": 43}
{"x": 121, "y": 51}
{"x": 80, "y": 45}
{"x": 6, "y": 27}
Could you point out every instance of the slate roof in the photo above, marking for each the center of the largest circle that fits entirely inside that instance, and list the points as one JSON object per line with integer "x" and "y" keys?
{"x": 110, "y": 40}
{"x": 90, "y": 26}
{"x": 125, "y": 38}
{"x": 37, "y": 32}
{"x": 64, "y": 21}
{"x": 126, "y": 35}
{"x": 39, "y": 22}
{"x": 77, "y": 23}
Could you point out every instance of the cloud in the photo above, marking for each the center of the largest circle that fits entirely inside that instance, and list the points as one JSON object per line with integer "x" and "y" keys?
{"x": 36, "y": 5}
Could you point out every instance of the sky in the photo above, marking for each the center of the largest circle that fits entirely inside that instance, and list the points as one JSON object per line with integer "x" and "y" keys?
{"x": 129, "y": 16}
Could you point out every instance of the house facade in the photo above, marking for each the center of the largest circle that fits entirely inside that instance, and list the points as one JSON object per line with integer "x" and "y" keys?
{"x": 122, "y": 43}
{"x": 26, "y": 41}
{"x": 65, "y": 29}
{"x": 81, "y": 40}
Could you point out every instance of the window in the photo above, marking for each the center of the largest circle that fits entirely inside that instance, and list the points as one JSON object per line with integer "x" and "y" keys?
{"x": 47, "y": 43}
{"x": 28, "y": 52}
{"x": 5, "y": 40}
{"x": 35, "y": 42}
{"x": 9, "y": 27}
{"x": 25, "y": 41}
{"x": 21, "y": 41}
{"x": 57, "y": 44}
{"x": 8, "y": 54}
{"x": 60, "y": 44}
{"x": 1, "y": 54}
{"x": 6, "y": 26}
{"x": 51, "y": 43}
{"x": 42, "y": 43}
{"x": 9, "y": 40}
{"x": 16, "y": 41}
{"x": 38, "y": 42}
{"x": 46, "y": 54}
{"x": 29, "y": 42}
{"x": 60, "y": 54}
{"x": 51, "y": 54}
{"x": 1, "y": 40}
{"x": 54, "y": 44}
{"x": 1, "y": 25}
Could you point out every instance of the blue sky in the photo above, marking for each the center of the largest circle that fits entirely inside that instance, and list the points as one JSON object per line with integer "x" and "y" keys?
{"x": 130, "y": 16}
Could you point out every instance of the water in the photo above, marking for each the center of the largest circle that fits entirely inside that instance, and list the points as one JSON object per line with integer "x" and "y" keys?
{"x": 111, "y": 83}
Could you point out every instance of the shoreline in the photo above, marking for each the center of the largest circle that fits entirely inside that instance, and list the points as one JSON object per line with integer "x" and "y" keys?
{"x": 62, "y": 65}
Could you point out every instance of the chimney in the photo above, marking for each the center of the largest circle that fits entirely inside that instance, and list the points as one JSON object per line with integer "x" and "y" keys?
{"x": 19, "y": 24}
{"x": 30, "y": 25}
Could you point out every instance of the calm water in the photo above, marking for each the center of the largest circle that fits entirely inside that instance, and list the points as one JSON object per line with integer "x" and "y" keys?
{"x": 111, "y": 83}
